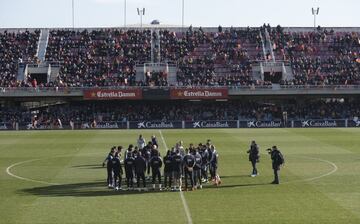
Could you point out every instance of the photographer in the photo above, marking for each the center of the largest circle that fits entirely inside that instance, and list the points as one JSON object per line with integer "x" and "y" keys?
{"x": 277, "y": 160}
{"x": 254, "y": 157}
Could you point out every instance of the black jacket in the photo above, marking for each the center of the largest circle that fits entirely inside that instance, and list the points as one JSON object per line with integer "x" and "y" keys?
{"x": 277, "y": 159}
{"x": 140, "y": 164}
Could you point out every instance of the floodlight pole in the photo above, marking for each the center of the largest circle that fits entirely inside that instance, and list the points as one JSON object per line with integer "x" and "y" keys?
{"x": 73, "y": 14}
{"x": 141, "y": 12}
{"x": 315, "y": 12}
{"x": 182, "y": 14}
{"x": 124, "y": 13}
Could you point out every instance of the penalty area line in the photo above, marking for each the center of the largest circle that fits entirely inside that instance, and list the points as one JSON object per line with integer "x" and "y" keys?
{"x": 183, "y": 200}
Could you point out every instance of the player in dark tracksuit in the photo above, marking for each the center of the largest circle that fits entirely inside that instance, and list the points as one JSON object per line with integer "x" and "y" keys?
{"x": 204, "y": 166}
{"x": 146, "y": 152}
{"x": 129, "y": 164}
{"x": 213, "y": 163}
{"x": 197, "y": 169}
{"x": 109, "y": 167}
{"x": 208, "y": 149}
{"x": 277, "y": 160}
{"x": 167, "y": 169}
{"x": 254, "y": 157}
{"x": 116, "y": 167}
{"x": 120, "y": 173}
{"x": 156, "y": 164}
{"x": 189, "y": 163}
{"x": 177, "y": 165}
{"x": 140, "y": 168}
{"x": 154, "y": 141}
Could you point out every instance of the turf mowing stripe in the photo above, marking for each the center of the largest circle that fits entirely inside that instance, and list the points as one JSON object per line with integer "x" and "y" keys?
{"x": 186, "y": 207}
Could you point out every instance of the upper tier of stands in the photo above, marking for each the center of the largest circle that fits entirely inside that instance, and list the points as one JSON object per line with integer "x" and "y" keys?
{"x": 217, "y": 56}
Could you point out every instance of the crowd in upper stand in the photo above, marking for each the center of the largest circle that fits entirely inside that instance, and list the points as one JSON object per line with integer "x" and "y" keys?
{"x": 15, "y": 48}
{"x": 107, "y": 57}
{"x": 323, "y": 57}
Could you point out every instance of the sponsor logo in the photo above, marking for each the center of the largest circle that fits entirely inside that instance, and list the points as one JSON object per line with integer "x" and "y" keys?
{"x": 314, "y": 123}
{"x": 357, "y": 123}
{"x": 113, "y": 94}
{"x": 3, "y": 127}
{"x": 107, "y": 125}
{"x": 211, "y": 124}
{"x": 199, "y": 93}
{"x": 148, "y": 124}
{"x": 251, "y": 124}
{"x": 104, "y": 94}
{"x": 205, "y": 93}
{"x": 264, "y": 124}
{"x": 197, "y": 124}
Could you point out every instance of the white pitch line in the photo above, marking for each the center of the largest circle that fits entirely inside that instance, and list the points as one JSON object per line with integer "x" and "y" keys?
{"x": 24, "y": 178}
{"x": 335, "y": 168}
{"x": 8, "y": 169}
{"x": 186, "y": 207}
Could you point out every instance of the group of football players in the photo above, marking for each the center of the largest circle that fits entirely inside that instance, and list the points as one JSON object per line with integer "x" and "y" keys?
{"x": 144, "y": 165}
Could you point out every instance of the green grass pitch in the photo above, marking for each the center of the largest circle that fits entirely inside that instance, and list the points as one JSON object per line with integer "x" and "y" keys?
{"x": 63, "y": 181}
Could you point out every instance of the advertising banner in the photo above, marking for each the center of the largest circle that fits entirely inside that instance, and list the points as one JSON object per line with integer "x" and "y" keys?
{"x": 309, "y": 123}
{"x": 354, "y": 123}
{"x": 211, "y": 124}
{"x": 260, "y": 124}
{"x": 116, "y": 94}
{"x": 198, "y": 93}
{"x": 154, "y": 124}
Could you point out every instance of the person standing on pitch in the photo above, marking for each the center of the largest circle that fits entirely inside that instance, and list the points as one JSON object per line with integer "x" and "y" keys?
{"x": 204, "y": 166}
{"x": 277, "y": 160}
{"x": 141, "y": 142}
{"x": 176, "y": 169}
{"x": 189, "y": 163}
{"x": 140, "y": 168}
{"x": 167, "y": 170}
{"x": 116, "y": 167}
{"x": 156, "y": 164}
{"x": 129, "y": 164}
{"x": 154, "y": 141}
{"x": 109, "y": 169}
{"x": 254, "y": 157}
{"x": 197, "y": 169}
{"x": 214, "y": 165}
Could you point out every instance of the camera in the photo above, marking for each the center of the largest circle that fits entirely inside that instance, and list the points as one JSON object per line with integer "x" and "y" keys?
{"x": 269, "y": 150}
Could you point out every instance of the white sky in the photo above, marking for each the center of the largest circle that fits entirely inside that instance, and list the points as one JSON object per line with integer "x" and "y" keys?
{"x": 102, "y": 13}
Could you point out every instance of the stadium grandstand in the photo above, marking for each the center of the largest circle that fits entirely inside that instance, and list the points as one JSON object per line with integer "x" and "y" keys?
{"x": 62, "y": 75}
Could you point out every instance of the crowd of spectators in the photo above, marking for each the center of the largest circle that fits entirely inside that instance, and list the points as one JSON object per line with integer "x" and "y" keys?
{"x": 319, "y": 57}
{"x": 107, "y": 57}
{"x": 16, "y": 47}
{"x": 87, "y": 112}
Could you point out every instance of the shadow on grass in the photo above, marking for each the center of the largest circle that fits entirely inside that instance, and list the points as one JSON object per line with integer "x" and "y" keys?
{"x": 89, "y": 166}
{"x": 96, "y": 189}
{"x": 90, "y": 189}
